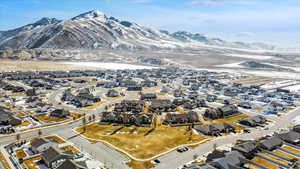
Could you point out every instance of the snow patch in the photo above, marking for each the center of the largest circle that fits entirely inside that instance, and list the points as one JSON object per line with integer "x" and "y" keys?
{"x": 257, "y": 57}
{"x": 109, "y": 65}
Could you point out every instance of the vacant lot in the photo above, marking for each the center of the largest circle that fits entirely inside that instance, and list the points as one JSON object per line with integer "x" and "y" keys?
{"x": 140, "y": 165}
{"x": 141, "y": 142}
{"x": 47, "y": 119}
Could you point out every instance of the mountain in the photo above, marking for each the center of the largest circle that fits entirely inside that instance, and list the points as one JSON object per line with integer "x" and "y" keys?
{"x": 185, "y": 36}
{"x": 95, "y": 30}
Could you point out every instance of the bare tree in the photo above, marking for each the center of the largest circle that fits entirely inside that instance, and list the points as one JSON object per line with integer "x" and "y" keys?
{"x": 40, "y": 133}
{"x": 84, "y": 123}
{"x": 18, "y": 137}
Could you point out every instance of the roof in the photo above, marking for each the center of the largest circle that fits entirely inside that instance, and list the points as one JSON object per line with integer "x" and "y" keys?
{"x": 290, "y": 136}
{"x": 271, "y": 143}
{"x": 195, "y": 166}
{"x": 68, "y": 164}
{"x": 38, "y": 142}
{"x": 50, "y": 155}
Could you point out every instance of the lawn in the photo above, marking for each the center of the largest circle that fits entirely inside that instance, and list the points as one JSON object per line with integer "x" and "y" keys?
{"x": 20, "y": 154}
{"x": 47, "y": 119}
{"x": 75, "y": 115}
{"x": 70, "y": 148}
{"x": 273, "y": 158}
{"x": 141, "y": 142}
{"x": 291, "y": 149}
{"x": 56, "y": 139}
{"x": 20, "y": 114}
{"x": 97, "y": 104}
{"x": 4, "y": 162}
{"x": 30, "y": 162}
{"x": 140, "y": 165}
{"x": 23, "y": 124}
{"x": 286, "y": 155}
{"x": 264, "y": 163}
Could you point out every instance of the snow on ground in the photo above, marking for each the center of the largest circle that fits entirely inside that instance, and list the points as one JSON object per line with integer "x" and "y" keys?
{"x": 276, "y": 84}
{"x": 295, "y": 88}
{"x": 231, "y": 65}
{"x": 257, "y": 57}
{"x": 296, "y": 120}
{"x": 109, "y": 65}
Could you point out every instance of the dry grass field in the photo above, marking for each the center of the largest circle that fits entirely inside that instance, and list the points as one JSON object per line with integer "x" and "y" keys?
{"x": 141, "y": 142}
{"x": 47, "y": 119}
{"x": 140, "y": 165}
{"x": 259, "y": 80}
{"x": 18, "y": 65}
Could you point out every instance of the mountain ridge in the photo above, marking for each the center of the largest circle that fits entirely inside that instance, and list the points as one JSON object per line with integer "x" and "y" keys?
{"x": 95, "y": 30}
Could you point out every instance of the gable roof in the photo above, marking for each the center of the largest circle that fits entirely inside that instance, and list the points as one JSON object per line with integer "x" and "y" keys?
{"x": 37, "y": 142}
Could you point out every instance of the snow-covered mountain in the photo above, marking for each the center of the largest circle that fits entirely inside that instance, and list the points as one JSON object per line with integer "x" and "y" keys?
{"x": 95, "y": 30}
{"x": 185, "y": 36}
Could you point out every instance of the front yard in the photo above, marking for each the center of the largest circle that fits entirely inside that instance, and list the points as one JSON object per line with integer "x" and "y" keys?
{"x": 139, "y": 142}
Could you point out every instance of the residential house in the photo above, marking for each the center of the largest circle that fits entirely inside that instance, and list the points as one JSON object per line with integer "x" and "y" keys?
{"x": 39, "y": 145}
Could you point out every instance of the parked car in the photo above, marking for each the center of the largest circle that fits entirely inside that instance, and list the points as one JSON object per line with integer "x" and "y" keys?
{"x": 183, "y": 149}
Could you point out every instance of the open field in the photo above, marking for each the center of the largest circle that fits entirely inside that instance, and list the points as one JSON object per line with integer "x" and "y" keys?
{"x": 140, "y": 165}
{"x": 141, "y": 142}
{"x": 47, "y": 119}
{"x": 259, "y": 80}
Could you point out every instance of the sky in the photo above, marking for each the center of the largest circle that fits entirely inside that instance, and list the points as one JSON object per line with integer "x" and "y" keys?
{"x": 271, "y": 21}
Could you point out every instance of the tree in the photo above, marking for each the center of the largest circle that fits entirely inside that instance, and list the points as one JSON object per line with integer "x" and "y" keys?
{"x": 18, "y": 137}
{"x": 215, "y": 146}
{"x": 94, "y": 117}
{"x": 40, "y": 133}
{"x": 84, "y": 123}
{"x": 195, "y": 156}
